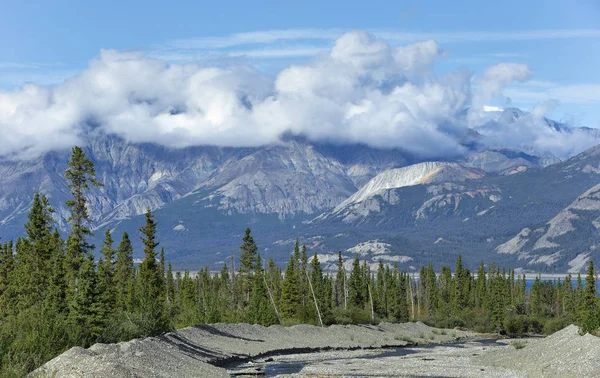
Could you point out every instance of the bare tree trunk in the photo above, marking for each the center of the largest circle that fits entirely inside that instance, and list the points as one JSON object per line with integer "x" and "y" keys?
{"x": 272, "y": 300}
{"x": 412, "y": 298}
{"x": 371, "y": 299}
{"x": 314, "y": 297}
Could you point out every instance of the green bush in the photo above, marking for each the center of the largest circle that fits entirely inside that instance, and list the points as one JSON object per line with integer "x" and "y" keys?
{"x": 516, "y": 325}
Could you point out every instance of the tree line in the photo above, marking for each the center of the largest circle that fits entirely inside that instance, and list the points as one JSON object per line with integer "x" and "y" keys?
{"x": 55, "y": 295}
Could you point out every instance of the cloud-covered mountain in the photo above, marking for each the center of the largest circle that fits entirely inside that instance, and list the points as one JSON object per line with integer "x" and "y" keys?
{"x": 310, "y": 150}
{"x": 362, "y": 90}
{"x": 346, "y": 197}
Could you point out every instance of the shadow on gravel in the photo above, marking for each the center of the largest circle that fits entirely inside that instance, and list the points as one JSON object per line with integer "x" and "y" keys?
{"x": 192, "y": 349}
{"x": 216, "y": 332}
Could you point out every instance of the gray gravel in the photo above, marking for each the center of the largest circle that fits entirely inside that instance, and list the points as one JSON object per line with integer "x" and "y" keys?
{"x": 562, "y": 354}
{"x": 194, "y": 351}
{"x": 205, "y": 351}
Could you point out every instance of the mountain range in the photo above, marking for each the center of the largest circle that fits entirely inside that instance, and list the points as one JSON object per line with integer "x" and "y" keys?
{"x": 534, "y": 212}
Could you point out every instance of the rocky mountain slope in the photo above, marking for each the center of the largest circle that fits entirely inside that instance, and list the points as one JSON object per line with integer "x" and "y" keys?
{"x": 333, "y": 197}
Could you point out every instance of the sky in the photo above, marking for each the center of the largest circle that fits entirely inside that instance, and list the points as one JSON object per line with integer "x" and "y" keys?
{"x": 241, "y": 73}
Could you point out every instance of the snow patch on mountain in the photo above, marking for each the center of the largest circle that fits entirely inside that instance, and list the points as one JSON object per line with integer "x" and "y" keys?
{"x": 417, "y": 174}
{"x": 579, "y": 262}
{"x": 370, "y": 247}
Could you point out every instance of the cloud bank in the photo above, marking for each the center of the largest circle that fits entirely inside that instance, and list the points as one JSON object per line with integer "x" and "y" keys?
{"x": 361, "y": 90}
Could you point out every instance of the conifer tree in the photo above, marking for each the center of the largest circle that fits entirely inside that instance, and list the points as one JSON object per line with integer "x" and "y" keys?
{"x": 590, "y": 316}
{"x": 150, "y": 292}
{"x": 106, "y": 277}
{"x": 356, "y": 295}
{"x": 80, "y": 176}
{"x": 85, "y": 313}
{"x": 340, "y": 283}
{"x": 34, "y": 254}
{"x": 55, "y": 300}
{"x": 248, "y": 252}
{"x": 304, "y": 277}
{"x": 290, "y": 295}
{"x": 319, "y": 286}
{"x": 124, "y": 272}
{"x": 260, "y": 308}
{"x": 7, "y": 268}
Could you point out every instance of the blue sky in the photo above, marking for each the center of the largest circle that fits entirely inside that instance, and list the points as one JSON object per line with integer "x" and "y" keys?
{"x": 46, "y": 42}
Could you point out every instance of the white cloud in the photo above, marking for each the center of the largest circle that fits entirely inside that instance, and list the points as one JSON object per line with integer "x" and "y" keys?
{"x": 271, "y": 36}
{"x": 361, "y": 90}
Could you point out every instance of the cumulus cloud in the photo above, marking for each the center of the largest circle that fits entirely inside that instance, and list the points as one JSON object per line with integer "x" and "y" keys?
{"x": 361, "y": 90}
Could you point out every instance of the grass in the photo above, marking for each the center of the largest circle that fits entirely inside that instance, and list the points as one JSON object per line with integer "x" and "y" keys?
{"x": 518, "y": 344}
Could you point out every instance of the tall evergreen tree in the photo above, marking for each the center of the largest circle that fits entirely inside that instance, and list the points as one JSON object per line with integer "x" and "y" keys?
{"x": 124, "y": 272}
{"x": 150, "y": 292}
{"x": 80, "y": 176}
{"x": 590, "y": 315}
{"x": 85, "y": 313}
{"x": 260, "y": 308}
{"x": 340, "y": 283}
{"x": 55, "y": 299}
{"x": 106, "y": 276}
{"x": 290, "y": 294}
{"x": 248, "y": 252}
{"x": 356, "y": 285}
{"x": 7, "y": 268}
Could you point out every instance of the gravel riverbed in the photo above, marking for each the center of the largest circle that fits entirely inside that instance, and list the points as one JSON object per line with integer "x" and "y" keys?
{"x": 387, "y": 350}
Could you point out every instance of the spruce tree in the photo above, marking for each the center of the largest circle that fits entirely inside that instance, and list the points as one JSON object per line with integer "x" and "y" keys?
{"x": 106, "y": 277}
{"x": 290, "y": 295}
{"x": 248, "y": 252}
{"x": 85, "y": 313}
{"x": 590, "y": 316}
{"x": 124, "y": 272}
{"x": 356, "y": 285}
{"x": 80, "y": 176}
{"x": 260, "y": 308}
{"x": 340, "y": 283}
{"x": 150, "y": 289}
{"x": 319, "y": 286}
{"x": 55, "y": 300}
{"x": 7, "y": 268}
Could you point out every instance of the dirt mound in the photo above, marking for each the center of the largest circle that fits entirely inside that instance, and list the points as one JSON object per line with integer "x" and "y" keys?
{"x": 562, "y": 354}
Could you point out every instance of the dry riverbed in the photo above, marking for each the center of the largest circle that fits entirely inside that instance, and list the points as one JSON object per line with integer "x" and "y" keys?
{"x": 386, "y": 350}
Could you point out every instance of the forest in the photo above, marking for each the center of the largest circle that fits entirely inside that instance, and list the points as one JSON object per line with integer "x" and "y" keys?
{"x": 54, "y": 294}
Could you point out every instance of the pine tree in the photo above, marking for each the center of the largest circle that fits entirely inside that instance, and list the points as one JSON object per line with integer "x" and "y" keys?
{"x": 590, "y": 316}
{"x": 260, "y": 309}
{"x": 290, "y": 295}
{"x": 85, "y": 313}
{"x": 7, "y": 268}
{"x": 55, "y": 300}
{"x": 34, "y": 254}
{"x": 248, "y": 252}
{"x": 150, "y": 290}
{"x": 318, "y": 283}
{"x": 80, "y": 175}
{"x": 124, "y": 272}
{"x": 340, "y": 283}
{"x": 106, "y": 277}
{"x": 356, "y": 286}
